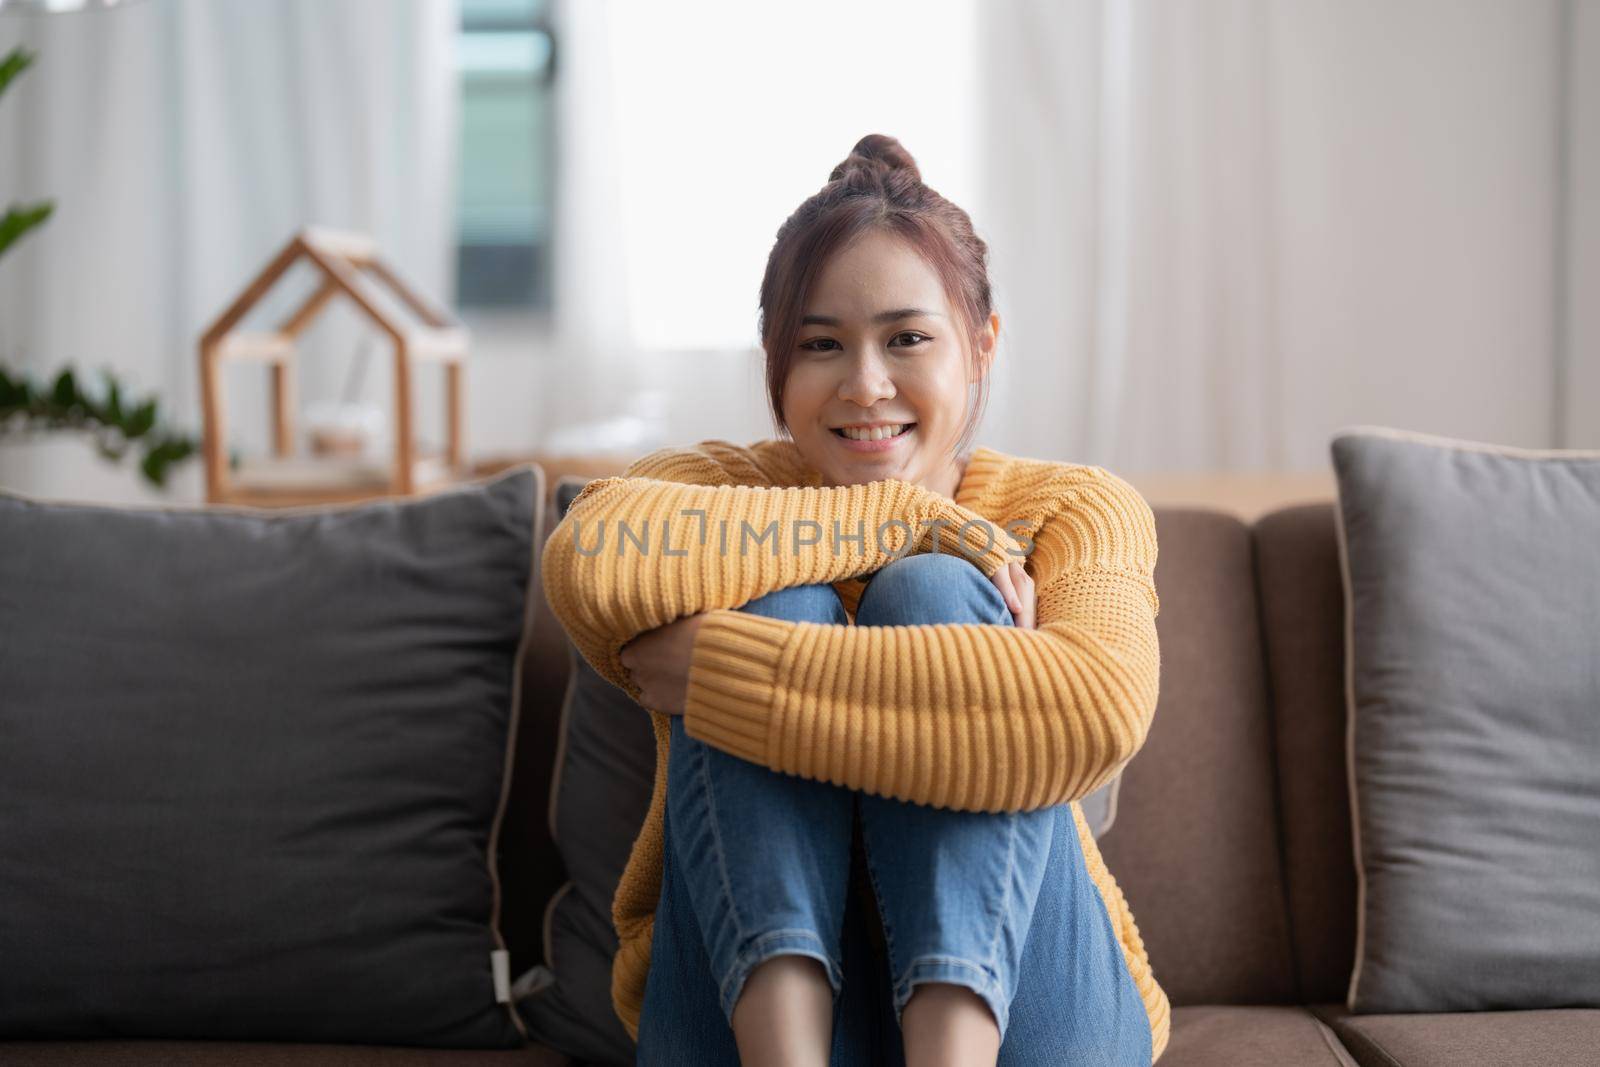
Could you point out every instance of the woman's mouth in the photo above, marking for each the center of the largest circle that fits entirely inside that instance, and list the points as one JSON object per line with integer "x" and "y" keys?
{"x": 877, "y": 439}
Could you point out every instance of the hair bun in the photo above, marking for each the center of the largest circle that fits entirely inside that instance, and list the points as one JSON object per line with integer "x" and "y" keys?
{"x": 878, "y": 153}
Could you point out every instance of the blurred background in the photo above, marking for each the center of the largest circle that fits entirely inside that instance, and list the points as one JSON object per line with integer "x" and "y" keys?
{"x": 1219, "y": 230}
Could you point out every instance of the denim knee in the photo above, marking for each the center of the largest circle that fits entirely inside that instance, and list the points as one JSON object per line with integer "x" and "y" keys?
{"x": 764, "y": 860}
{"x": 800, "y": 603}
{"x": 765, "y": 855}
{"x": 956, "y": 892}
{"x": 931, "y": 587}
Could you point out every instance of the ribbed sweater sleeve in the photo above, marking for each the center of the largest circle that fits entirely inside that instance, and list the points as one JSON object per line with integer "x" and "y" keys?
{"x": 635, "y": 552}
{"x": 966, "y": 716}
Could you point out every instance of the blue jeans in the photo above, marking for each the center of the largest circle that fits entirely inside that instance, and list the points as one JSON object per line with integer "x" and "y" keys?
{"x": 759, "y": 864}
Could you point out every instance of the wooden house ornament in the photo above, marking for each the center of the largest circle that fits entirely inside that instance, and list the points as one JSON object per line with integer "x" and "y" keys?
{"x": 347, "y": 263}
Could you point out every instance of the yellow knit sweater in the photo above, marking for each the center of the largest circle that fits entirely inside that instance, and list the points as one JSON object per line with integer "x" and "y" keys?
{"x": 962, "y": 716}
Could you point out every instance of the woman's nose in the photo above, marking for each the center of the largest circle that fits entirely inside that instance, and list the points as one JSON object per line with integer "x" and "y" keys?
{"x": 867, "y": 382}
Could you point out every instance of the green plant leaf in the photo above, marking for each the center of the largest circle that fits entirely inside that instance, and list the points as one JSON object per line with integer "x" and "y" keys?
{"x": 141, "y": 420}
{"x": 113, "y": 404}
{"x": 160, "y": 458}
{"x": 64, "y": 394}
{"x": 19, "y": 220}
{"x": 16, "y": 61}
{"x": 154, "y": 469}
{"x": 112, "y": 428}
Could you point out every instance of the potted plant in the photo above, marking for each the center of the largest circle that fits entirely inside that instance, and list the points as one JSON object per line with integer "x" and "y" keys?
{"x": 28, "y": 407}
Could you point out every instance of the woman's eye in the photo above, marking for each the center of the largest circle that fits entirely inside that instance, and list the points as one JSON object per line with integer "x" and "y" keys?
{"x": 811, "y": 346}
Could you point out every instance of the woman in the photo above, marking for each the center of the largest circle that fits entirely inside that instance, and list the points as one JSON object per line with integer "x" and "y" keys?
{"x": 861, "y": 627}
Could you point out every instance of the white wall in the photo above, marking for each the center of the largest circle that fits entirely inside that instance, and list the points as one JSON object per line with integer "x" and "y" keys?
{"x": 1417, "y": 226}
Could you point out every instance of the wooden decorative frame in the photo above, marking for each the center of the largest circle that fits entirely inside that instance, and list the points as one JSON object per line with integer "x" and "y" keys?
{"x": 345, "y": 261}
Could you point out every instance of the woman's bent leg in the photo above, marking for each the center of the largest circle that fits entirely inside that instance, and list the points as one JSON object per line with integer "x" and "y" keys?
{"x": 1076, "y": 1001}
{"x": 998, "y": 902}
{"x": 681, "y": 1021}
{"x": 956, "y": 889}
{"x": 758, "y": 859}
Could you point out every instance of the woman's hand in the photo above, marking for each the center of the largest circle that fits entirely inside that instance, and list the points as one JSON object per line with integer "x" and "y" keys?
{"x": 1016, "y": 585}
{"x": 658, "y": 662}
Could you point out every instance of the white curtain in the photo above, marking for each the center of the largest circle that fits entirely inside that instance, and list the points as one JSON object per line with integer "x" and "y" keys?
{"x": 183, "y": 144}
{"x": 1218, "y": 231}
{"x": 1128, "y": 210}
{"x": 689, "y": 132}
{"x": 1221, "y": 231}
{"x": 597, "y": 393}
{"x": 1578, "y": 384}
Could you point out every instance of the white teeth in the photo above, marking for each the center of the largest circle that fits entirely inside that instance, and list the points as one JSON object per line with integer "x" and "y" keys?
{"x": 875, "y": 434}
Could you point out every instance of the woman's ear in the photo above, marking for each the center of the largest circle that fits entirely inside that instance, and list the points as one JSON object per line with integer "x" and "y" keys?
{"x": 986, "y": 344}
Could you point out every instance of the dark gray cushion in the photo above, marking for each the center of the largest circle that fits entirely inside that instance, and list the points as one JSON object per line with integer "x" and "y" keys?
{"x": 605, "y": 770}
{"x": 253, "y": 767}
{"x": 1472, "y": 603}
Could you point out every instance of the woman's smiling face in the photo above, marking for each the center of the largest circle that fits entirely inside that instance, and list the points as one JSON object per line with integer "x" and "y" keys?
{"x": 880, "y": 348}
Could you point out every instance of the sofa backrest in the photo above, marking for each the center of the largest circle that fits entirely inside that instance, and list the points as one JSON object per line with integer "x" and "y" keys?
{"x": 1302, "y": 609}
{"x": 1231, "y": 839}
{"x": 1195, "y": 844}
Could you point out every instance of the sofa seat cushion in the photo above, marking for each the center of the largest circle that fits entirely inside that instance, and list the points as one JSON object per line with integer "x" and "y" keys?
{"x": 156, "y": 1053}
{"x": 1545, "y": 1037}
{"x": 1251, "y": 1035}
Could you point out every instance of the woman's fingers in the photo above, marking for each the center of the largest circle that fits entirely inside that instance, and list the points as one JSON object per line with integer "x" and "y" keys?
{"x": 1022, "y": 584}
{"x": 658, "y": 662}
{"x": 1004, "y": 580}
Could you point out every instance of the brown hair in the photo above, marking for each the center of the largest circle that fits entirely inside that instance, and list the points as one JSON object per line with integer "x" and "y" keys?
{"x": 877, "y": 186}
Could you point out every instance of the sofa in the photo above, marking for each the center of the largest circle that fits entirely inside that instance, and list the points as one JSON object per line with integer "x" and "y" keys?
{"x": 1232, "y": 838}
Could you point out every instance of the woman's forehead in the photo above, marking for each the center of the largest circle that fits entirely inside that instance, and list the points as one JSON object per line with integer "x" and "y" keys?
{"x": 872, "y": 291}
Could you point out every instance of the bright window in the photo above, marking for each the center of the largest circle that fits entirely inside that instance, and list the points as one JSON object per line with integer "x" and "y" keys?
{"x": 506, "y": 54}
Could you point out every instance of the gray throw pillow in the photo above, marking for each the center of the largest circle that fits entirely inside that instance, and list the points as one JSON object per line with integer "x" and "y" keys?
{"x": 1472, "y": 613}
{"x": 599, "y": 797}
{"x": 253, "y": 767}
{"x": 605, "y": 770}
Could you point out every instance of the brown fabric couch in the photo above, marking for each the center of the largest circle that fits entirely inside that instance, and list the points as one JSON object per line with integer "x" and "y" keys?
{"x": 1232, "y": 838}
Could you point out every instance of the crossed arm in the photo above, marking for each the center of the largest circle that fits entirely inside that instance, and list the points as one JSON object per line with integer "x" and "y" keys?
{"x": 958, "y": 715}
